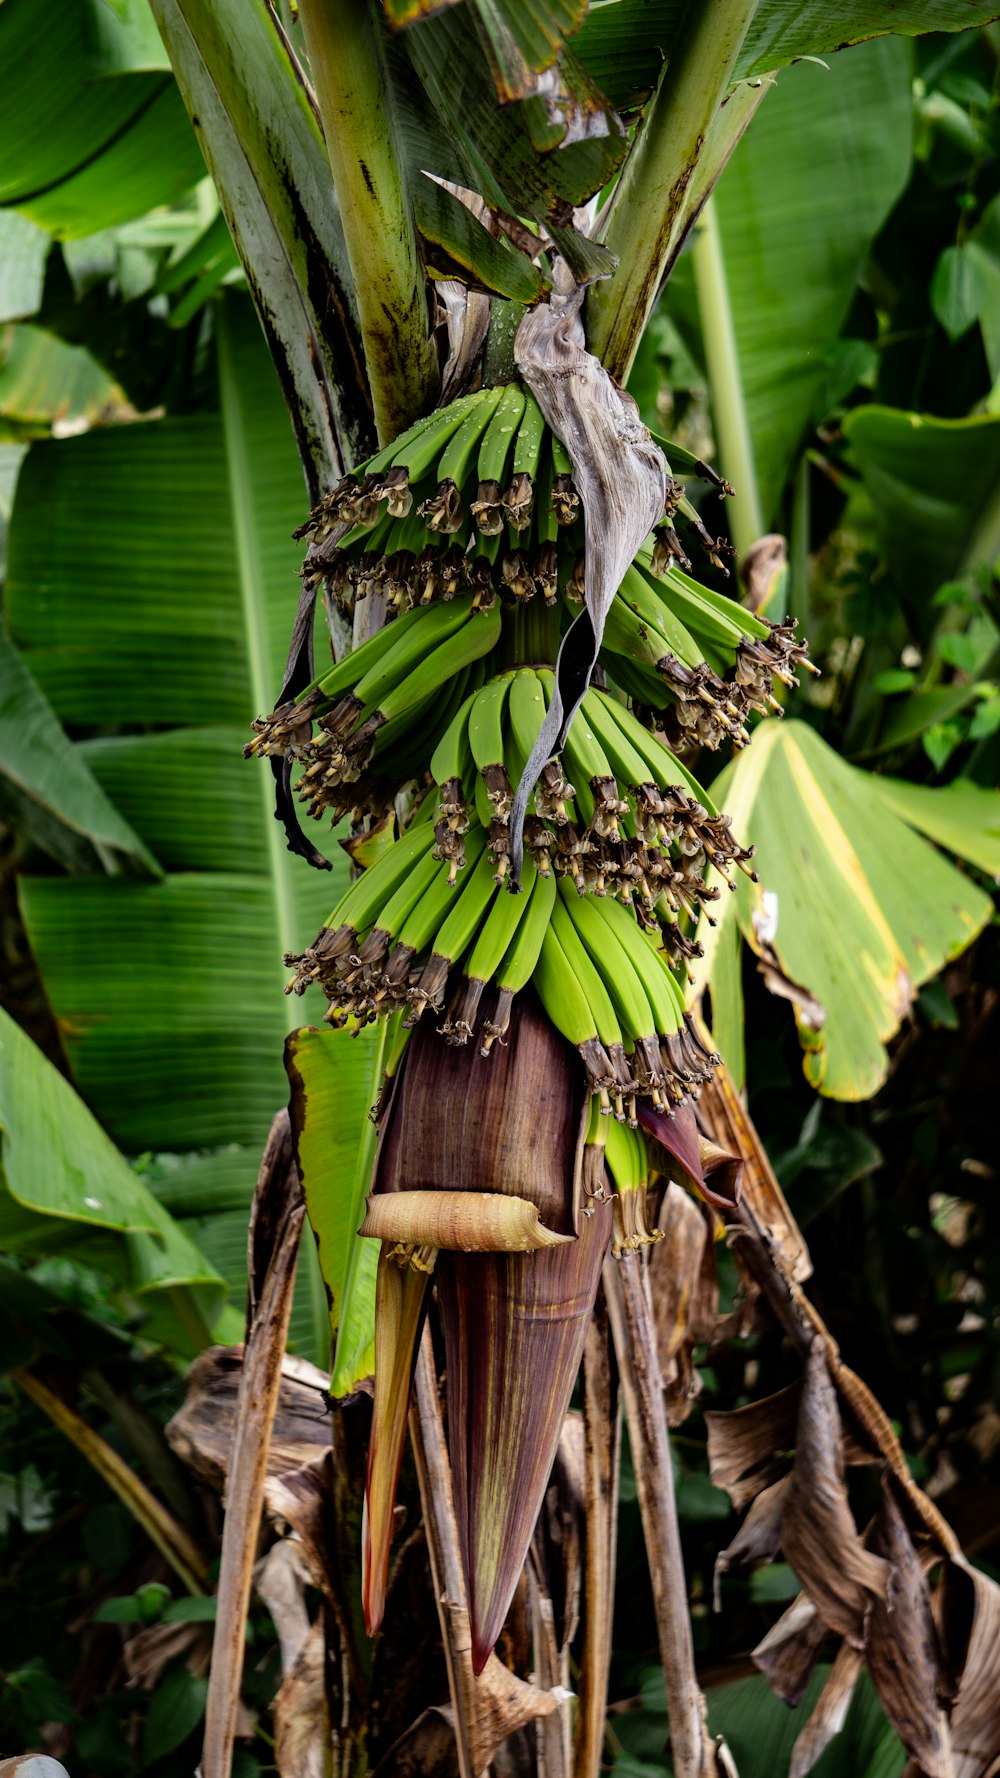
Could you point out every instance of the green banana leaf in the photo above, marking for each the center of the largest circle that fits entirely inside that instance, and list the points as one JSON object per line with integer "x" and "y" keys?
{"x": 55, "y": 795}
{"x": 261, "y": 137}
{"x": 622, "y": 42}
{"x": 761, "y": 1731}
{"x": 853, "y": 910}
{"x": 933, "y": 484}
{"x": 23, "y": 252}
{"x": 84, "y": 145}
{"x": 64, "y": 1186}
{"x": 160, "y": 604}
{"x": 42, "y": 380}
{"x": 331, "y": 1074}
{"x": 808, "y": 187}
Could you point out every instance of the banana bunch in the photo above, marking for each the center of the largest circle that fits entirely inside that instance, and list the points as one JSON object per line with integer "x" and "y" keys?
{"x": 614, "y": 868}
{"x": 466, "y": 517}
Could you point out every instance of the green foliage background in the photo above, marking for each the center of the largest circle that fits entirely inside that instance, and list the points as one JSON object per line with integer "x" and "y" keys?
{"x": 148, "y": 489}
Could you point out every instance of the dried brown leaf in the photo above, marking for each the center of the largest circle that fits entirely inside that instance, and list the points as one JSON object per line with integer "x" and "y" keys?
{"x": 904, "y": 1655}
{"x": 749, "y": 1447}
{"x": 829, "y": 1712}
{"x": 301, "y": 1724}
{"x": 758, "y": 1538}
{"x": 201, "y": 1432}
{"x": 969, "y": 1612}
{"x": 819, "y": 1536}
{"x": 280, "y": 1579}
{"x": 791, "y": 1648}
{"x": 684, "y": 1294}
{"x": 722, "y": 1117}
{"x": 621, "y": 478}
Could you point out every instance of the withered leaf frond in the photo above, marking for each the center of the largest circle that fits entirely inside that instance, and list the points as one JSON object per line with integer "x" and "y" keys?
{"x": 621, "y": 478}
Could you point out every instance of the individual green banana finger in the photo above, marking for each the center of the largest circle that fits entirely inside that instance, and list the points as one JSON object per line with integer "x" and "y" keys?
{"x": 662, "y": 992}
{"x": 521, "y": 957}
{"x": 456, "y": 458}
{"x": 625, "y": 987}
{"x": 438, "y": 624}
{"x": 530, "y": 433}
{"x": 468, "y": 644}
{"x": 486, "y": 723}
{"x": 591, "y": 981}
{"x": 527, "y": 706}
{"x": 506, "y": 914}
{"x": 627, "y": 763}
{"x": 453, "y": 752}
{"x": 597, "y": 794}
{"x": 646, "y": 601}
{"x": 557, "y": 980}
{"x": 664, "y": 766}
{"x": 500, "y": 434}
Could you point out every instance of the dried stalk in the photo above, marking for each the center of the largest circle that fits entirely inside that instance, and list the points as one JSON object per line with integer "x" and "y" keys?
{"x": 772, "y": 1251}
{"x": 635, "y": 1343}
{"x": 602, "y": 1463}
{"x": 434, "y": 1480}
{"x": 278, "y": 1209}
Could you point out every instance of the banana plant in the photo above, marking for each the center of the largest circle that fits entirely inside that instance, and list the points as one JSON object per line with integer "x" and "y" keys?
{"x": 455, "y": 229}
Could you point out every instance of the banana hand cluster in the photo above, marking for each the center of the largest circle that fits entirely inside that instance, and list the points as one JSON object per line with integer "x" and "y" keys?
{"x": 466, "y": 518}
{"x": 615, "y": 863}
{"x": 476, "y": 504}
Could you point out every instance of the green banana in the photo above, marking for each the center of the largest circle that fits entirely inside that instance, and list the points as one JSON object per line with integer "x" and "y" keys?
{"x": 392, "y": 917}
{"x": 457, "y": 456}
{"x": 728, "y": 608}
{"x": 521, "y": 957}
{"x": 457, "y": 931}
{"x": 431, "y": 914}
{"x": 527, "y": 710}
{"x": 665, "y": 999}
{"x": 439, "y": 623}
{"x": 359, "y": 906}
{"x": 597, "y": 796}
{"x": 626, "y": 990}
{"x": 420, "y": 447}
{"x": 486, "y": 740}
{"x": 559, "y": 977}
{"x": 645, "y": 600}
{"x": 664, "y": 766}
{"x": 530, "y": 435}
{"x": 453, "y": 752}
{"x": 500, "y": 434}
{"x": 474, "y": 637}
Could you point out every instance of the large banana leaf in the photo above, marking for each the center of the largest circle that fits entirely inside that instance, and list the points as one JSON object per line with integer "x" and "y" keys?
{"x": 151, "y": 584}
{"x": 622, "y": 42}
{"x": 55, "y": 795}
{"x": 65, "y": 1186}
{"x": 853, "y": 910}
{"x": 933, "y": 484}
{"x": 82, "y": 144}
{"x": 163, "y": 596}
{"x": 808, "y": 187}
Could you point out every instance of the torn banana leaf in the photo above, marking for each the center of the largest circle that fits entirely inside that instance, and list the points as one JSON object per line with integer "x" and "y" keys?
{"x": 853, "y": 909}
